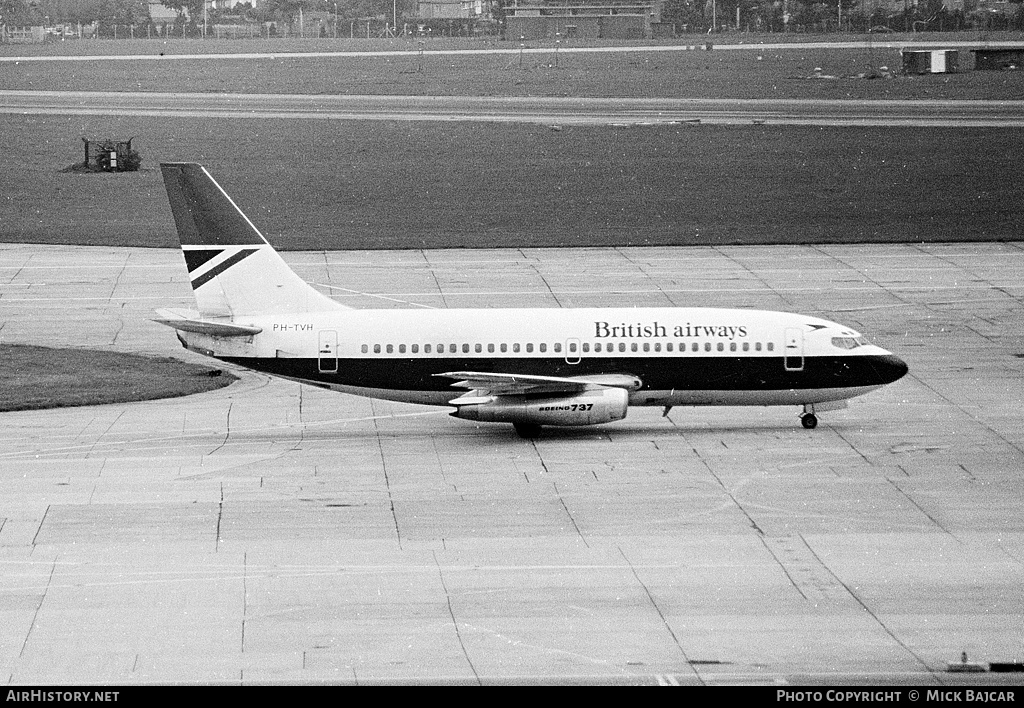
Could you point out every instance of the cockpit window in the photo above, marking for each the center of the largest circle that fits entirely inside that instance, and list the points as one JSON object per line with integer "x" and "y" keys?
{"x": 849, "y": 342}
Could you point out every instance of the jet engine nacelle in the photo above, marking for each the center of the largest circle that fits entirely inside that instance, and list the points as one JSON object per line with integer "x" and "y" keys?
{"x": 586, "y": 408}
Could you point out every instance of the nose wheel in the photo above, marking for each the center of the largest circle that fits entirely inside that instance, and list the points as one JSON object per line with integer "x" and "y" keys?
{"x": 809, "y": 421}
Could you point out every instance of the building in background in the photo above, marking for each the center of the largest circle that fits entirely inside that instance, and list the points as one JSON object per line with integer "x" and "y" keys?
{"x": 618, "y": 19}
{"x": 453, "y": 9}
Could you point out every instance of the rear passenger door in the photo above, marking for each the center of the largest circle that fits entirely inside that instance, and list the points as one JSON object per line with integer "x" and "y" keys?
{"x": 328, "y": 352}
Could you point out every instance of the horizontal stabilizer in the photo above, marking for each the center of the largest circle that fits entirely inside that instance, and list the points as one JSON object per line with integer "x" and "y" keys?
{"x": 187, "y": 323}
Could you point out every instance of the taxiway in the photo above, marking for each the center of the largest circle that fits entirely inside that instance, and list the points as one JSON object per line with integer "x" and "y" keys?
{"x": 512, "y": 109}
{"x": 273, "y": 533}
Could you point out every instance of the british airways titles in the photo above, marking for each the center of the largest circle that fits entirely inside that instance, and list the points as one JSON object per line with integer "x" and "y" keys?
{"x": 640, "y": 330}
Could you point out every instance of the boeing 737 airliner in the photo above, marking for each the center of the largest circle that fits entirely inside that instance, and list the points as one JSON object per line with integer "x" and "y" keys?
{"x": 527, "y": 367}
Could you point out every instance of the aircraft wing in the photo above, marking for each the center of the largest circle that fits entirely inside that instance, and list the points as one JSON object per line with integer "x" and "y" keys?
{"x": 500, "y": 384}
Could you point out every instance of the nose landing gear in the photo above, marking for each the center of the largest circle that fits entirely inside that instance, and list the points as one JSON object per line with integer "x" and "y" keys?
{"x": 808, "y": 418}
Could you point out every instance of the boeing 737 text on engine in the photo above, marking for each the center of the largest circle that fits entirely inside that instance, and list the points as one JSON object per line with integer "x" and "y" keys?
{"x": 527, "y": 367}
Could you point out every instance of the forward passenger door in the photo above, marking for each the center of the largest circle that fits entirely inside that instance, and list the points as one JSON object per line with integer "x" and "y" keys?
{"x": 794, "y": 349}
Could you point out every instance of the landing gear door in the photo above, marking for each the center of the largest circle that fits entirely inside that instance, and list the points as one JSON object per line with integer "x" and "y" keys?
{"x": 328, "y": 352}
{"x": 794, "y": 354}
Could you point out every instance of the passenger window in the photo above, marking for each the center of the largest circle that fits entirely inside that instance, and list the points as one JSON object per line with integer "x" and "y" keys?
{"x": 515, "y": 348}
{"x": 364, "y": 349}
{"x": 504, "y": 347}
{"x": 415, "y": 348}
{"x": 732, "y": 346}
{"x": 633, "y": 347}
{"x": 465, "y": 349}
{"x": 391, "y": 349}
{"x": 543, "y": 347}
{"x": 597, "y": 347}
{"x": 376, "y": 349}
{"x": 707, "y": 346}
{"x": 529, "y": 348}
{"x": 757, "y": 346}
{"x": 622, "y": 346}
{"x": 657, "y": 346}
{"x": 453, "y": 348}
{"x": 572, "y": 347}
{"x": 490, "y": 348}
{"x": 586, "y": 347}
{"x": 558, "y": 347}
{"x": 401, "y": 349}
{"x": 771, "y": 346}
{"x": 478, "y": 348}
{"x": 746, "y": 346}
{"x": 668, "y": 346}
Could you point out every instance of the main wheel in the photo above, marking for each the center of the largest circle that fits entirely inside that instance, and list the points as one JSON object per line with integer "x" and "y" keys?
{"x": 527, "y": 430}
{"x": 809, "y": 420}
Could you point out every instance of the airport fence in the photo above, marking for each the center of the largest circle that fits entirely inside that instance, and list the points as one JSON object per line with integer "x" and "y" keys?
{"x": 325, "y": 27}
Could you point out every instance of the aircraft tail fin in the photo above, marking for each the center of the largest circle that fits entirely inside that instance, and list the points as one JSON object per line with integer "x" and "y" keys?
{"x": 234, "y": 271}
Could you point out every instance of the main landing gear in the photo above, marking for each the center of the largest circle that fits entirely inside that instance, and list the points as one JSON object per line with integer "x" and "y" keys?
{"x": 527, "y": 430}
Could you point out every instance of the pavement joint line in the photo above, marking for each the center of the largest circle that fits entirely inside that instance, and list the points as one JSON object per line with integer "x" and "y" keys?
{"x": 782, "y": 566}
{"x": 209, "y": 432}
{"x": 568, "y": 513}
{"x": 384, "y": 469}
{"x": 661, "y": 614}
{"x": 42, "y": 599}
{"x": 455, "y": 623}
{"x": 922, "y": 509}
{"x": 867, "y": 609}
{"x": 967, "y": 414}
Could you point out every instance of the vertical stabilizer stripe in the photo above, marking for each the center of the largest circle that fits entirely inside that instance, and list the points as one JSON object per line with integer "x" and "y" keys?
{"x": 218, "y": 269}
{"x": 195, "y": 258}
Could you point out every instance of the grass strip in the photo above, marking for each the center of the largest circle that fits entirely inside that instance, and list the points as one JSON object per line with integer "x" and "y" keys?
{"x": 33, "y": 378}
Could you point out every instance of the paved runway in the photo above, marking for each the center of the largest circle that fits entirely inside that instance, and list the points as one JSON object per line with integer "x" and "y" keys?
{"x": 508, "y": 109}
{"x": 273, "y": 533}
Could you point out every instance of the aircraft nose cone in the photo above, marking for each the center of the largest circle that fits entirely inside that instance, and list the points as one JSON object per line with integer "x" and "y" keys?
{"x": 891, "y": 368}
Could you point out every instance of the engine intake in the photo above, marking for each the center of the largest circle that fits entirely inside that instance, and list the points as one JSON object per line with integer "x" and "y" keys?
{"x": 587, "y": 408}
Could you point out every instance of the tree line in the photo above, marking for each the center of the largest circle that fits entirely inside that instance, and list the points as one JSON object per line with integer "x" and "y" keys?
{"x": 687, "y": 15}
{"x": 835, "y": 15}
{"x": 136, "y": 12}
